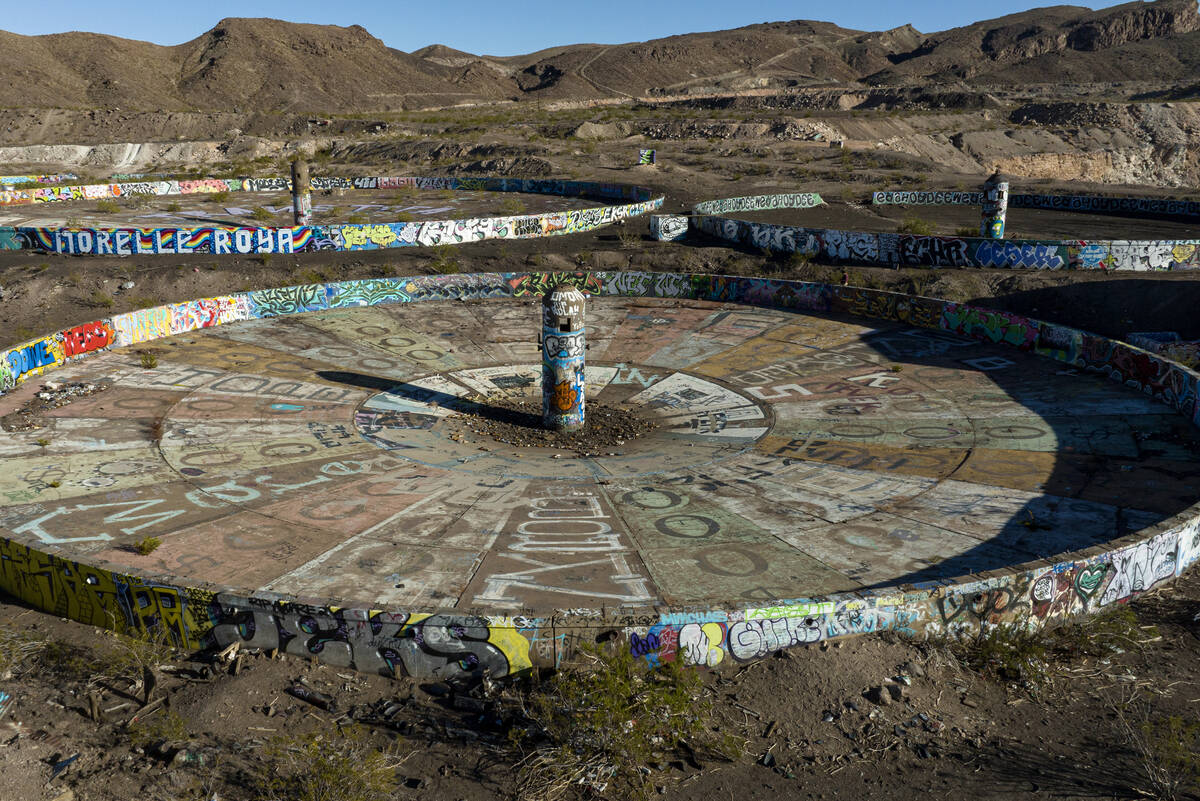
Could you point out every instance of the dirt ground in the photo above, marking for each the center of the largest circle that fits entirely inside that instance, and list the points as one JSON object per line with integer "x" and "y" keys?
{"x": 803, "y": 721}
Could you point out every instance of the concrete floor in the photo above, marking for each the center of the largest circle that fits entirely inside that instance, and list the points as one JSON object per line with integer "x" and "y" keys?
{"x": 797, "y": 455}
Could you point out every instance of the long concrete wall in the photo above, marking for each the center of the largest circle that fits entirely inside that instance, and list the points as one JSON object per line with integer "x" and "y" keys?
{"x": 887, "y": 249}
{"x": 1171, "y": 346}
{"x": 430, "y": 642}
{"x": 794, "y": 200}
{"x": 7, "y": 181}
{"x": 1165, "y": 207}
{"x": 129, "y": 241}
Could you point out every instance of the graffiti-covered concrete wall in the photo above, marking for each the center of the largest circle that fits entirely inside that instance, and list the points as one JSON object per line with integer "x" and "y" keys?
{"x": 923, "y": 197}
{"x": 439, "y": 643}
{"x": 795, "y": 200}
{"x": 62, "y": 194}
{"x": 668, "y": 227}
{"x": 865, "y": 247}
{"x": 219, "y": 240}
{"x": 18, "y": 180}
{"x": 1165, "y": 207}
{"x": 1169, "y": 345}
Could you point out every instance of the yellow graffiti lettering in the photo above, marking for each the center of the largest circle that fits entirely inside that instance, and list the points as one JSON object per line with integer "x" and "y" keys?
{"x": 359, "y": 235}
{"x": 513, "y": 645}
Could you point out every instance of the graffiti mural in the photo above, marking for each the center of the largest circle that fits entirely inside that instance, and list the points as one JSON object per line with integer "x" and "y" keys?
{"x": 927, "y": 198}
{"x": 1169, "y": 345}
{"x": 1108, "y": 205}
{"x": 799, "y": 200}
{"x": 668, "y": 227}
{"x": 564, "y": 342}
{"x": 389, "y": 644}
{"x": 16, "y": 180}
{"x": 556, "y": 532}
{"x": 221, "y": 240}
{"x": 891, "y": 250}
{"x": 1166, "y": 207}
{"x": 34, "y": 357}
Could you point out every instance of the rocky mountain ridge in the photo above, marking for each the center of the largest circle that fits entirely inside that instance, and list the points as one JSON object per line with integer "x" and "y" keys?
{"x": 269, "y": 66}
{"x": 976, "y": 50}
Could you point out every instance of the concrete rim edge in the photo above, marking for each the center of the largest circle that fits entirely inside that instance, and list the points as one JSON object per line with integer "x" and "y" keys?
{"x": 895, "y": 249}
{"x": 366, "y": 236}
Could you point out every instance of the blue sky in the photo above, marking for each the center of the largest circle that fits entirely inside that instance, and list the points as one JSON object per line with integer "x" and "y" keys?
{"x": 493, "y": 28}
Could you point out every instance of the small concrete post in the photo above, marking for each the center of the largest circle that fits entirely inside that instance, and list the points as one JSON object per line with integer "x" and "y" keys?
{"x": 563, "y": 344}
{"x": 301, "y": 193}
{"x": 995, "y": 206}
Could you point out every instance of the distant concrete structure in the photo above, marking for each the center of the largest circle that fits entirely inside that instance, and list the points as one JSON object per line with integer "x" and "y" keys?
{"x": 995, "y": 206}
{"x": 301, "y": 195}
{"x": 563, "y": 344}
{"x": 238, "y": 237}
{"x": 668, "y": 227}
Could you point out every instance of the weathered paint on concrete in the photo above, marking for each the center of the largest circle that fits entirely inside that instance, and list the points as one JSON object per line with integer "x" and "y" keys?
{"x": 811, "y": 477}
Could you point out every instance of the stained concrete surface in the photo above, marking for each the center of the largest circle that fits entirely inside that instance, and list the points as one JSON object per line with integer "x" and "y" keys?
{"x": 316, "y": 456}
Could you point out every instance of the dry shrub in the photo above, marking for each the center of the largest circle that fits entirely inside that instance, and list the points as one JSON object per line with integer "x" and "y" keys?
{"x": 599, "y": 726}
{"x": 314, "y": 767}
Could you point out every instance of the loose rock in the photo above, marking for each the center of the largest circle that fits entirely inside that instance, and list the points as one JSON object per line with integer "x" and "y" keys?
{"x": 878, "y": 696}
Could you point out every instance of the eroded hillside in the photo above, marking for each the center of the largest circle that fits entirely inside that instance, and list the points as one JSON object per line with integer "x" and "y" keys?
{"x": 1061, "y": 93}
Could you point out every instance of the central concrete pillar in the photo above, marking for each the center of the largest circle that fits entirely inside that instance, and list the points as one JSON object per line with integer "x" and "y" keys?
{"x": 301, "y": 193}
{"x": 995, "y": 206}
{"x": 563, "y": 345}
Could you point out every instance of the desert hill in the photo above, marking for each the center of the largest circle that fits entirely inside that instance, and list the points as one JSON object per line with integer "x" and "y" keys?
{"x": 798, "y": 52}
{"x": 1052, "y": 40}
{"x": 272, "y": 66}
{"x": 241, "y": 64}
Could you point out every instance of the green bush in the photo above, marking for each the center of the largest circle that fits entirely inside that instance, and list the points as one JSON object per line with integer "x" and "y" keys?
{"x": 147, "y": 546}
{"x": 131, "y": 652}
{"x": 1007, "y": 653}
{"x": 512, "y": 206}
{"x": 445, "y": 259}
{"x": 309, "y": 767}
{"x": 1031, "y": 657}
{"x": 1170, "y": 749}
{"x": 1116, "y": 626}
{"x": 599, "y": 725}
{"x": 166, "y": 726}
{"x": 916, "y": 226}
{"x": 630, "y": 239}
